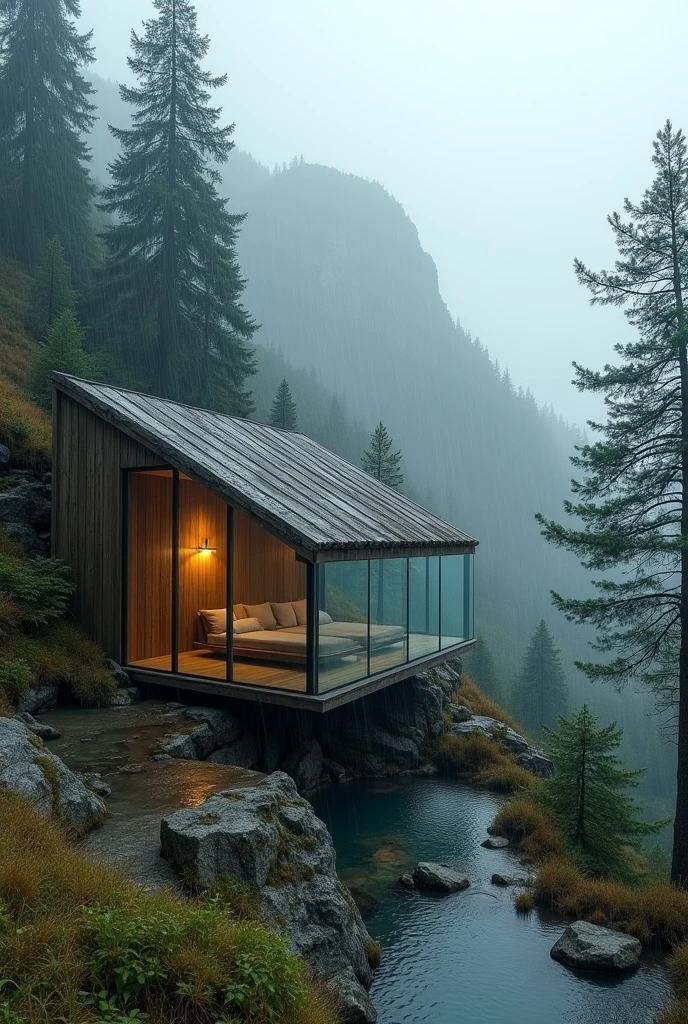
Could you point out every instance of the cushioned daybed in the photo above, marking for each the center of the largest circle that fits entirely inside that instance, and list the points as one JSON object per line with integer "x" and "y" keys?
{"x": 277, "y": 632}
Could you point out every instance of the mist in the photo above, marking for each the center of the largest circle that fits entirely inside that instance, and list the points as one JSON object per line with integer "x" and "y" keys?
{"x": 507, "y": 131}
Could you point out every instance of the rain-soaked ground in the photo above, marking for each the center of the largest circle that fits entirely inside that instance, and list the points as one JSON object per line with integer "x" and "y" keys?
{"x": 118, "y": 743}
{"x": 467, "y": 957}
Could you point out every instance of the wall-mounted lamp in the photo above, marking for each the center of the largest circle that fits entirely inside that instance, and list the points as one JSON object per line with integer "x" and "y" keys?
{"x": 203, "y": 548}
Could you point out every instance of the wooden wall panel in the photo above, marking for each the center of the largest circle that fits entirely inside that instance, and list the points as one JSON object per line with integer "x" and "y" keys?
{"x": 149, "y": 566}
{"x": 88, "y": 458}
{"x": 265, "y": 569}
{"x": 202, "y": 577}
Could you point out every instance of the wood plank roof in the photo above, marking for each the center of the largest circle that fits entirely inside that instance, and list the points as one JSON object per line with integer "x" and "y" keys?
{"x": 314, "y": 500}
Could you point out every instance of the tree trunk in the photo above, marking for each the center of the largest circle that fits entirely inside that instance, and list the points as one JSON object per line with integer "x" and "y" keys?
{"x": 28, "y": 212}
{"x": 579, "y": 837}
{"x": 166, "y": 355}
{"x": 679, "y": 857}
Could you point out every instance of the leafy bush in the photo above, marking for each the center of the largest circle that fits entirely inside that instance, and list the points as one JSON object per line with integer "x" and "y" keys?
{"x": 38, "y": 587}
{"x": 81, "y": 944}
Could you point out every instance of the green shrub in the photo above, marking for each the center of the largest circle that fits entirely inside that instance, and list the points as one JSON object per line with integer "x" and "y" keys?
{"x": 15, "y": 679}
{"x": 38, "y": 587}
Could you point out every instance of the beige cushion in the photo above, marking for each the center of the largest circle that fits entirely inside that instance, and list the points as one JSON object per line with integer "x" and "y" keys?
{"x": 215, "y": 620}
{"x": 249, "y": 625}
{"x": 300, "y": 611}
{"x": 239, "y": 611}
{"x": 262, "y": 612}
{"x": 284, "y": 613}
{"x": 324, "y": 618}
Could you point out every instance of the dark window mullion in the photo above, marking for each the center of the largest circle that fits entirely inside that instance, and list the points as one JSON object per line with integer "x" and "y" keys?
{"x": 175, "y": 570}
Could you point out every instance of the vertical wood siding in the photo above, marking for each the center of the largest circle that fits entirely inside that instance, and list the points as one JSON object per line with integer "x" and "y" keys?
{"x": 265, "y": 569}
{"x": 88, "y": 458}
{"x": 202, "y": 578}
{"x": 149, "y": 565}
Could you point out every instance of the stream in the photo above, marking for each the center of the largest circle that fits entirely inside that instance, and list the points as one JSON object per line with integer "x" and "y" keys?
{"x": 467, "y": 957}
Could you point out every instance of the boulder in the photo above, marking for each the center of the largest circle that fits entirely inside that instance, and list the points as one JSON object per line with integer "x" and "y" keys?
{"x": 4, "y": 458}
{"x": 180, "y": 746}
{"x": 224, "y": 727}
{"x": 41, "y": 698}
{"x": 335, "y": 771}
{"x": 28, "y": 538}
{"x": 305, "y": 765}
{"x": 459, "y": 713}
{"x": 242, "y": 754}
{"x": 28, "y": 502}
{"x": 45, "y": 732}
{"x": 95, "y": 782}
{"x": 43, "y": 779}
{"x": 528, "y": 757}
{"x": 268, "y": 837}
{"x": 406, "y": 881}
{"x": 587, "y": 947}
{"x": 438, "y": 878}
{"x": 505, "y": 880}
{"x": 120, "y": 676}
{"x": 495, "y": 843}
{"x": 125, "y": 697}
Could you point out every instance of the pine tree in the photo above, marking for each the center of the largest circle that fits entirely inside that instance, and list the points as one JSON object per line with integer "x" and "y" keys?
{"x": 588, "y": 792}
{"x": 539, "y": 695}
{"x": 632, "y": 503}
{"x": 172, "y": 258}
{"x": 380, "y": 461}
{"x": 52, "y": 290}
{"x": 481, "y": 666}
{"x": 45, "y": 112}
{"x": 283, "y": 412}
{"x": 62, "y": 350}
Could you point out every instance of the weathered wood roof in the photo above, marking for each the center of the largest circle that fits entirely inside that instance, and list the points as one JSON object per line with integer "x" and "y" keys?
{"x": 316, "y": 501}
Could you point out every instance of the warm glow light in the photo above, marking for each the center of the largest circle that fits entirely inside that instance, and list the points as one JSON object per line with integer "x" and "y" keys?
{"x": 204, "y": 549}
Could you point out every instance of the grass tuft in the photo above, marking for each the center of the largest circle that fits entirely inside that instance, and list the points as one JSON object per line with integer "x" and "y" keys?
{"x": 373, "y": 951}
{"x": 524, "y": 902}
{"x": 24, "y": 428}
{"x": 531, "y": 829}
{"x": 480, "y": 759}
{"x": 472, "y": 696}
{"x": 80, "y": 943}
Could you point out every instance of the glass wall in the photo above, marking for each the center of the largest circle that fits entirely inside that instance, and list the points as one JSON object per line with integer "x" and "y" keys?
{"x": 343, "y": 633}
{"x": 376, "y": 615}
{"x": 424, "y": 606}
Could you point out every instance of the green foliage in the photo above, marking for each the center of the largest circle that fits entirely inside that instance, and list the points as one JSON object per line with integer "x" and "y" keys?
{"x": 38, "y": 587}
{"x": 283, "y": 412}
{"x": 539, "y": 694}
{"x": 171, "y": 245}
{"x": 62, "y": 350}
{"x": 631, "y": 501}
{"x": 44, "y": 114}
{"x": 373, "y": 951}
{"x": 380, "y": 461}
{"x": 51, "y": 292}
{"x": 588, "y": 793}
{"x": 62, "y": 655}
{"x": 15, "y": 679}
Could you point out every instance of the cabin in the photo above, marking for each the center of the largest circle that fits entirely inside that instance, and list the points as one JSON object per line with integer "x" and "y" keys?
{"x": 217, "y": 554}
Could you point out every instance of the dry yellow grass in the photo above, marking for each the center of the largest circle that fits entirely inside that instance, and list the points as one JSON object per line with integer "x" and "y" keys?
{"x": 674, "y": 1013}
{"x": 531, "y": 829}
{"x": 481, "y": 760}
{"x": 472, "y": 696}
{"x": 678, "y": 968}
{"x": 194, "y": 956}
{"x": 24, "y": 427}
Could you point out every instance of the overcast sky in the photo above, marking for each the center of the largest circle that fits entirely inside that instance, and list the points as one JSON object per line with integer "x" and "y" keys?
{"x": 508, "y": 129}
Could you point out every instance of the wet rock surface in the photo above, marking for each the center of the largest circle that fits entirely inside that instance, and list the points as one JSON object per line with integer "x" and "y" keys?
{"x": 40, "y": 729}
{"x": 524, "y": 754}
{"x": 25, "y": 508}
{"x": 495, "y": 843}
{"x": 43, "y": 778}
{"x": 588, "y": 947}
{"x": 438, "y": 878}
{"x": 268, "y": 837}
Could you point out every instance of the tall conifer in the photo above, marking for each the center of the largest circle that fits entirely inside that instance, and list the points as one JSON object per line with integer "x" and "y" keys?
{"x": 52, "y": 290}
{"x": 283, "y": 412}
{"x": 171, "y": 250}
{"x": 539, "y": 695}
{"x": 45, "y": 112}
{"x": 380, "y": 461}
{"x": 632, "y": 501}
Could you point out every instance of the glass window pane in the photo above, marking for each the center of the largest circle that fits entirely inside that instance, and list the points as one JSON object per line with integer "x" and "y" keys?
{"x": 343, "y": 623}
{"x": 424, "y": 606}
{"x": 149, "y": 569}
{"x": 388, "y": 611}
{"x": 456, "y": 599}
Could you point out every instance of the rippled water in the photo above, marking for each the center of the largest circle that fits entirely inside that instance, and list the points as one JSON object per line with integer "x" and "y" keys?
{"x": 467, "y": 957}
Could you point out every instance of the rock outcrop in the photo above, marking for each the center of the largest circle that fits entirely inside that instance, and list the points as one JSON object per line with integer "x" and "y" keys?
{"x": 588, "y": 947}
{"x": 438, "y": 878}
{"x": 523, "y": 753}
{"x": 43, "y": 779}
{"x": 25, "y": 510}
{"x": 268, "y": 837}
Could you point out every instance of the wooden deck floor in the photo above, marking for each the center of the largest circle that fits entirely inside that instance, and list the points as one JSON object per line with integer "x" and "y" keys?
{"x": 287, "y": 677}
